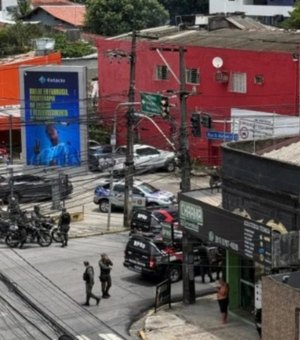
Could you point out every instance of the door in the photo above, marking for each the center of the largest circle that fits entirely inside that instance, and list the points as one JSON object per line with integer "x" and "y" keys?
{"x": 247, "y": 285}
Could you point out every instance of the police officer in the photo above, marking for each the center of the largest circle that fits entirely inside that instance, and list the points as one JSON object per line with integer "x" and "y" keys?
{"x": 64, "y": 226}
{"x": 105, "y": 265}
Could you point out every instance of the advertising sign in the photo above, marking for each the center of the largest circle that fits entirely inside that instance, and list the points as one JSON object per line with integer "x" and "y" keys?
{"x": 226, "y": 229}
{"x": 191, "y": 215}
{"x": 52, "y": 98}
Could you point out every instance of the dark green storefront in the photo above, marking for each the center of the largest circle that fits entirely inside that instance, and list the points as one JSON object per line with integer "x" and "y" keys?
{"x": 248, "y": 245}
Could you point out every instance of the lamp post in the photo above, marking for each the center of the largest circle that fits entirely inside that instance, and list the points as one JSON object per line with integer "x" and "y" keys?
{"x": 113, "y": 143}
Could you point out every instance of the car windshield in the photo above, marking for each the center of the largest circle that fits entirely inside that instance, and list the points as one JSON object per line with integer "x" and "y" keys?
{"x": 147, "y": 188}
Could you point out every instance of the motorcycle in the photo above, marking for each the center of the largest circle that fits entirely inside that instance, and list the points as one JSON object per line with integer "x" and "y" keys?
{"x": 25, "y": 229}
{"x": 57, "y": 235}
{"x": 4, "y": 228}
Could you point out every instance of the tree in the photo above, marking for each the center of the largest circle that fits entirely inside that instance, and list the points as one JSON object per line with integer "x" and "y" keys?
{"x": 112, "y": 17}
{"x": 23, "y": 7}
{"x": 183, "y": 7}
{"x": 294, "y": 20}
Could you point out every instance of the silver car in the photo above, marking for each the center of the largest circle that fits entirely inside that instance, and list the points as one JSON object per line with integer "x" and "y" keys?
{"x": 146, "y": 158}
{"x": 144, "y": 194}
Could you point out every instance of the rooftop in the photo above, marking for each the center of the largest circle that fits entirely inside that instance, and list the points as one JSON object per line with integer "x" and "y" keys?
{"x": 240, "y": 32}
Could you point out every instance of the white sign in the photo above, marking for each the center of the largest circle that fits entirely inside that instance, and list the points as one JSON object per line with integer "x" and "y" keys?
{"x": 253, "y": 125}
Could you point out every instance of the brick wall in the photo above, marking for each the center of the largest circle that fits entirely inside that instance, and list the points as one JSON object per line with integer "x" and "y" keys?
{"x": 280, "y": 302}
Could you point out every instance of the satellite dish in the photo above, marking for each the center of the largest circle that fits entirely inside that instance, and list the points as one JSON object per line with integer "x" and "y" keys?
{"x": 217, "y": 62}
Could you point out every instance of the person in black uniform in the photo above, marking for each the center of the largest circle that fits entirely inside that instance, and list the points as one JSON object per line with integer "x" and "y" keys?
{"x": 105, "y": 265}
{"x": 64, "y": 226}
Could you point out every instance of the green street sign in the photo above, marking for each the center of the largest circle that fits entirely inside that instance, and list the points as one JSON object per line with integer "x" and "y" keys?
{"x": 151, "y": 103}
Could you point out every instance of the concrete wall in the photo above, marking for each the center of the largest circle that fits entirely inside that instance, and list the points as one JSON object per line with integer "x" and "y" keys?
{"x": 280, "y": 319}
{"x": 267, "y": 189}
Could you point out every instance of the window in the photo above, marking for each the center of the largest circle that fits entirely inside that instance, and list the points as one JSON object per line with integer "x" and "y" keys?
{"x": 192, "y": 76}
{"x": 147, "y": 152}
{"x": 162, "y": 72}
{"x": 258, "y": 79}
{"x": 119, "y": 188}
{"x": 238, "y": 82}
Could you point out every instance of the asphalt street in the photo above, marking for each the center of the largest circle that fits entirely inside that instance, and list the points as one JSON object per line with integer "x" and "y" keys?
{"x": 51, "y": 278}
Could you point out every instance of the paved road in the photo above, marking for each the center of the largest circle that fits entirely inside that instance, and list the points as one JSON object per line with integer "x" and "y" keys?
{"x": 52, "y": 278}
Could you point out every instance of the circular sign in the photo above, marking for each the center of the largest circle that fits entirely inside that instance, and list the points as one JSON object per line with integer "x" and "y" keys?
{"x": 217, "y": 62}
{"x": 244, "y": 132}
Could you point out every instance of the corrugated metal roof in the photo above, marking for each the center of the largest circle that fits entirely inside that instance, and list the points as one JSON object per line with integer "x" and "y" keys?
{"x": 244, "y": 34}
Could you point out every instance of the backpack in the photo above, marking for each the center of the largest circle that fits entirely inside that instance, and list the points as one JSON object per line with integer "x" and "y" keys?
{"x": 65, "y": 218}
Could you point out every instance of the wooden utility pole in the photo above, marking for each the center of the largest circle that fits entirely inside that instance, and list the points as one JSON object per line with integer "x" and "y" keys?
{"x": 185, "y": 186}
{"x": 129, "y": 163}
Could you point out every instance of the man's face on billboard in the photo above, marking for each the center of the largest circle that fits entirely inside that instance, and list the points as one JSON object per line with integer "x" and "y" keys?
{"x": 52, "y": 134}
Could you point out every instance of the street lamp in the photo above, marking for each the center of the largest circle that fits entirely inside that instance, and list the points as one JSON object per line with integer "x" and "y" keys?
{"x": 113, "y": 143}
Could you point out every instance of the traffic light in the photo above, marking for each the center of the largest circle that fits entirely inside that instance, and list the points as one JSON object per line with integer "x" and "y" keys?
{"x": 196, "y": 124}
{"x": 206, "y": 120}
{"x": 164, "y": 107}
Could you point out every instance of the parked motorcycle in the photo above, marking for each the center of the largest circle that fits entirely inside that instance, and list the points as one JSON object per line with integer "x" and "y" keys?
{"x": 4, "y": 228}
{"x": 57, "y": 235}
{"x": 25, "y": 228}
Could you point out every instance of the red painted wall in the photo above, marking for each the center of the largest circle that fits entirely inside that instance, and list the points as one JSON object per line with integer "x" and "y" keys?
{"x": 279, "y": 93}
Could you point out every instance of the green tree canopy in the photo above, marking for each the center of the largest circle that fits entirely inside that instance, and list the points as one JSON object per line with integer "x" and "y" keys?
{"x": 112, "y": 17}
{"x": 294, "y": 20}
{"x": 183, "y": 7}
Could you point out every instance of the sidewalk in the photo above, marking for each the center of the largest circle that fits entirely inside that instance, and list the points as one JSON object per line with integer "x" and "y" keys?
{"x": 199, "y": 321}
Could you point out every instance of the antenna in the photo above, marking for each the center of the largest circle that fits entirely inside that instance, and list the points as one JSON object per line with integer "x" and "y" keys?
{"x": 217, "y": 62}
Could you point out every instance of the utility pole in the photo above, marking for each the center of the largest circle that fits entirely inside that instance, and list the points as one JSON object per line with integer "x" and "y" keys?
{"x": 185, "y": 185}
{"x": 129, "y": 150}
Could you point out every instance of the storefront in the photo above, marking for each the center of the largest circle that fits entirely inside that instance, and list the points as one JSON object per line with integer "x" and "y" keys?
{"x": 248, "y": 244}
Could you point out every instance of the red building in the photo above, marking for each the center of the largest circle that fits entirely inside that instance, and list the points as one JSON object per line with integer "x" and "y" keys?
{"x": 249, "y": 68}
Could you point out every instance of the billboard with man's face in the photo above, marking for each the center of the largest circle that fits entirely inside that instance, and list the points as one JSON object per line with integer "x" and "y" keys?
{"x": 53, "y": 100}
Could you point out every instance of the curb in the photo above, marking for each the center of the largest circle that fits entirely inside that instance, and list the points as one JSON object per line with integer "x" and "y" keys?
{"x": 137, "y": 326}
{"x": 100, "y": 233}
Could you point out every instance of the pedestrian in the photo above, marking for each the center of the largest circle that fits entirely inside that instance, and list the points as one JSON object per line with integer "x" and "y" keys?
{"x": 88, "y": 277}
{"x": 223, "y": 299}
{"x": 205, "y": 265}
{"x": 64, "y": 226}
{"x": 105, "y": 265}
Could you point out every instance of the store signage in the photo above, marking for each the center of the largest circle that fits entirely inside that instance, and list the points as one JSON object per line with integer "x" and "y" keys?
{"x": 248, "y": 238}
{"x": 191, "y": 215}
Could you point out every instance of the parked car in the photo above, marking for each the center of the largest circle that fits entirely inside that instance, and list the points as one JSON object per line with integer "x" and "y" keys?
{"x": 31, "y": 188}
{"x": 146, "y": 158}
{"x": 93, "y": 142}
{"x": 149, "y": 221}
{"x": 147, "y": 256}
{"x": 144, "y": 255}
{"x": 100, "y": 157}
{"x": 143, "y": 194}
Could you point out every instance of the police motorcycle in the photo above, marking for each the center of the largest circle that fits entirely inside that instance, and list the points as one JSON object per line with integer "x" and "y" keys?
{"x": 23, "y": 230}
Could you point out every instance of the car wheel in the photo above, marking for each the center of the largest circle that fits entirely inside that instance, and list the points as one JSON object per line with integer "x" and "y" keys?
{"x": 104, "y": 206}
{"x": 16, "y": 195}
{"x": 174, "y": 273}
{"x": 170, "y": 167}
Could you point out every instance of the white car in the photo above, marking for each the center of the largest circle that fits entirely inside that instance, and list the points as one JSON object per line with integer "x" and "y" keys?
{"x": 146, "y": 158}
{"x": 142, "y": 194}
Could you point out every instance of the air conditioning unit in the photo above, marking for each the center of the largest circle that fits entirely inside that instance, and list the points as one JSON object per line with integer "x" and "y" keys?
{"x": 222, "y": 76}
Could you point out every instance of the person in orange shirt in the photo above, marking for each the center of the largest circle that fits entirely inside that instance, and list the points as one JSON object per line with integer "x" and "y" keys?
{"x": 223, "y": 299}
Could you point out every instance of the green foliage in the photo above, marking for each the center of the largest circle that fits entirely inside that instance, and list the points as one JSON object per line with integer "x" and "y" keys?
{"x": 293, "y": 22}
{"x": 17, "y": 38}
{"x": 71, "y": 49}
{"x": 182, "y": 7}
{"x": 100, "y": 134}
{"x": 112, "y": 17}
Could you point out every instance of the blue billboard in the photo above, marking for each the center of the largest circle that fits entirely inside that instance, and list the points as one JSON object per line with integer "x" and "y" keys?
{"x": 51, "y": 117}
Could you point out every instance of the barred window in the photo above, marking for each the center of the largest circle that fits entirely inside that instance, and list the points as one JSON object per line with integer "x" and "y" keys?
{"x": 238, "y": 82}
{"x": 192, "y": 76}
{"x": 162, "y": 72}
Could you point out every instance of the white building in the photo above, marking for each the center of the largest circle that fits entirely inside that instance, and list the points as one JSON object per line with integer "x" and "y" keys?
{"x": 267, "y": 11}
{"x": 6, "y": 9}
